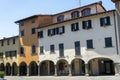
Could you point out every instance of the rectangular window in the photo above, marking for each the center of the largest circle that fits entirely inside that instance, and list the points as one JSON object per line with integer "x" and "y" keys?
{"x": 89, "y": 44}
{"x": 61, "y": 50}
{"x": 51, "y": 32}
{"x": 105, "y": 21}
{"x": 33, "y": 31}
{"x": 33, "y": 49}
{"x": 40, "y": 34}
{"x": 2, "y": 43}
{"x": 41, "y": 50}
{"x": 87, "y": 24}
{"x": 8, "y": 42}
{"x": 22, "y": 33}
{"x": 77, "y": 48}
{"x": 52, "y": 48}
{"x": 108, "y": 42}
{"x": 1, "y": 54}
{"x": 74, "y": 27}
{"x": 61, "y": 30}
{"x": 14, "y": 41}
{"x": 21, "y": 50}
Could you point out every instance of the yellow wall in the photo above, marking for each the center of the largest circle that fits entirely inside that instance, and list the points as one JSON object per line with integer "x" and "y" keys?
{"x": 29, "y": 39}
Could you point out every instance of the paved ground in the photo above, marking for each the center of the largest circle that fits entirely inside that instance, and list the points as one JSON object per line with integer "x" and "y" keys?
{"x": 64, "y": 78}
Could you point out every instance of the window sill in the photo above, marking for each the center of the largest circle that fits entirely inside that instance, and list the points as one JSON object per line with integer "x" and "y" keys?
{"x": 33, "y": 54}
{"x": 109, "y": 47}
{"x": 90, "y": 48}
{"x": 106, "y": 25}
{"x": 22, "y": 54}
{"x": 52, "y": 52}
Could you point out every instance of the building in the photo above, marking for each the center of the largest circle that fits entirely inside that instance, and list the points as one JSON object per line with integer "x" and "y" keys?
{"x": 28, "y": 43}
{"x": 82, "y": 41}
{"x": 9, "y": 49}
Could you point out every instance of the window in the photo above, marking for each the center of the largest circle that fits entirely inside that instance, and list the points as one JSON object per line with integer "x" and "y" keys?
{"x": 8, "y": 42}
{"x": 41, "y": 50}
{"x": 75, "y": 14}
{"x": 51, "y": 32}
{"x": 60, "y": 18}
{"x": 10, "y": 54}
{"x": 74, "y": 27}
{"x": 40, "y": 34}
{"x": 22, "y": 33}
{"x": 1, "y": 54}
{"x": 105, "y": 21}
{"x": 33, "y": 21}
{"x": 21, "y": 24}
{"x": 14, "y": 41}
{"x": 61, "y": 50}
{"x": 52, "y": 48}
{"x": 2, "y": 43}
{"x": 33, "y": 30}
{"x": 33, "y": 49}
{"x": 89, "y": 44}
{"x": 86, "y": 12}
{"x": 77, "y": 48}
{"x": 61, "y": 30}
{"x": 108, "y": 42}
{"x": 21, "y": 50}
{"x": 87, "y": 24}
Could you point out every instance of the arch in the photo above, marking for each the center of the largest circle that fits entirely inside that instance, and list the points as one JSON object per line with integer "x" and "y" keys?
{"x": 23, "y": 69}
{"x": 47, "y": 67}
{"x": 8, "y": 69}
{"x": 14, "y": 69}
{"x": 101, "y": 66}
{"x": 77, "y": 67}
{"x": 2, "y": 67}
{"x": 62, "y": 68}
{"x": 33, "y": 69}
{"x": 75, "y": 14}
{"x": 86, "y": 11}
{"x": 60, "y": 18}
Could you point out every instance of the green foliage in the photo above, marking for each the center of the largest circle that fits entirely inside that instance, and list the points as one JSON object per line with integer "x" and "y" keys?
{"x": 2, "y": 74}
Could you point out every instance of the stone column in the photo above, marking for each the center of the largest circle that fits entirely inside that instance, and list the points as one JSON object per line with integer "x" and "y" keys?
{"x": 86, "y": 70}
{"x": 38, "y": 70}
{"x": 11, "y": 69}
{"x": 117, "y": 70}
{"x": 27, "y": 70}
{"x": 55, "y": 70}
{"x": 70, "y": 74}
{"x": 18, "y": 71}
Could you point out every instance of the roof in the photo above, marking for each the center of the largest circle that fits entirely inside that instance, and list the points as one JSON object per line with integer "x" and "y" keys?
{"x": 9, "y": 38}
{"x": 33, "y": 16}
{"x": 100, "y": 3}
{"x": 115, "y": 0}
{"x": 76, "y": 18}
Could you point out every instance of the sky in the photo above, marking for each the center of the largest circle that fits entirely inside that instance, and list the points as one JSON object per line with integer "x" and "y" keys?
{"x": 13, "y": 10}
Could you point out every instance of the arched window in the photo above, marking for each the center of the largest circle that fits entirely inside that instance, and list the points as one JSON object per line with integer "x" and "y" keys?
{"x": 60, "y": 18}
{"x": 86, "y": 12}
{"x": 75, "y": 14}
{"x": 33, "y": 49}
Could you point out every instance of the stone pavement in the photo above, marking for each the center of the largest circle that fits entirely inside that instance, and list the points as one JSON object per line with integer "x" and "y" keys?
{"x": 63, "y": 78}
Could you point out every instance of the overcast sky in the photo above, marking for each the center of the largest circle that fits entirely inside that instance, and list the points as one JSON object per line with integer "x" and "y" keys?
{"x": 13, "y": 10}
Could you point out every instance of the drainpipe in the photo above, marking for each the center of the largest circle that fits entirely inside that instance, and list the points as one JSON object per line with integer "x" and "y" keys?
{"x": 116, "y": 37}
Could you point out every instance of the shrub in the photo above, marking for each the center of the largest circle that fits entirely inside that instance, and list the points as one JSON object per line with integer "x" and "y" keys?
{"x": 2, "y": 74}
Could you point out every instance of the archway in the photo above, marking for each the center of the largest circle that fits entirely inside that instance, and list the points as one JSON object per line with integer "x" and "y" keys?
{"x": 47, "y": 68}
{"x": 33, "y": 69}
{"x": 2, "y": 67}
{"x": 62, "y": 68}
{"x": 23, "y": 69}
{"x": 101, "y": 66}
{"x": 8, "y": 69}
{"x": 14, "y": 69}
{"x": 78, "y": 67}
